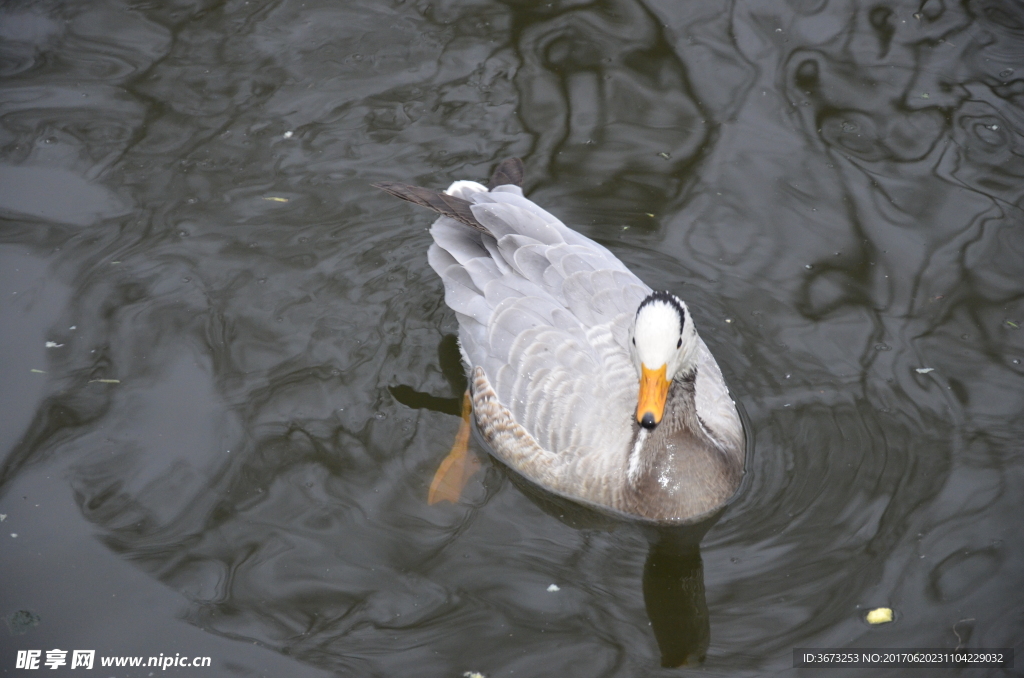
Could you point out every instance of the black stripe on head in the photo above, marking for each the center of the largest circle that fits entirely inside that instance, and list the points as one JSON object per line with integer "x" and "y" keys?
{"x": 665, "y": 297}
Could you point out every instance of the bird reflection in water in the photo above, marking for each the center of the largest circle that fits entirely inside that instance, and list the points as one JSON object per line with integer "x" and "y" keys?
{"x": 673, "y": 576}
{"x": 673, "y": 580}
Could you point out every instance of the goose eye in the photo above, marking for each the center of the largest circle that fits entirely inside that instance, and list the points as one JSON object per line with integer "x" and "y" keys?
{"x": 679, "y": 343}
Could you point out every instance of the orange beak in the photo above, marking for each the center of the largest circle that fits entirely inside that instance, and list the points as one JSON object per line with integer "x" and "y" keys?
{"x": 653, "y": 394}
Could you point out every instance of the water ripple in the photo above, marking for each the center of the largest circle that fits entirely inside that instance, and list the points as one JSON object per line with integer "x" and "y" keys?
{"x": 835, "y": 189}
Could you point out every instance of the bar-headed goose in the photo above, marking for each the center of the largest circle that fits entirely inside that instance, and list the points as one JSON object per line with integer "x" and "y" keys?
{"x": 581, "y": 378}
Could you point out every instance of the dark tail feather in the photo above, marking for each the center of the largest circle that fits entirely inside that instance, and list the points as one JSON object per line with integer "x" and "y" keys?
{"x": 508, "y": 171}
{"x": 442, "y": 203}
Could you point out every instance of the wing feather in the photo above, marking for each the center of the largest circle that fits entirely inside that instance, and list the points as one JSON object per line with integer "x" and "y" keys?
{"x": 574, "y": 263}
{"x": 503, "y": 219}
{"x": 509, "y": 172}
{"x": 463, "y": 245}
{"x": 495, "y": 253}
{"x": 530, "y": 262}
{"x": 482, "y": 270}
{"x": 442, "y": 203}
{"x": 715, "y": 406}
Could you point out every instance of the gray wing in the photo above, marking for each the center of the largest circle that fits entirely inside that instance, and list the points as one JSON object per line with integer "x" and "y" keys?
{"x": 715, "y": 407}
{"x": 545, "y": 312}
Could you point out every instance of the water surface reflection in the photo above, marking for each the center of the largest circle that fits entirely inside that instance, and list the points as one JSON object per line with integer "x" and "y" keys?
{"x": 836, "y": 188}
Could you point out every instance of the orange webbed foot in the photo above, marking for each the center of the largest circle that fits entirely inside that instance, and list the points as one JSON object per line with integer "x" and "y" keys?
{"x": 459, "y": 466}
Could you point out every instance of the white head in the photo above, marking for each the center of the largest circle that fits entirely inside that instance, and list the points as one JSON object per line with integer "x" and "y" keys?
{"x": 663, "y": 343}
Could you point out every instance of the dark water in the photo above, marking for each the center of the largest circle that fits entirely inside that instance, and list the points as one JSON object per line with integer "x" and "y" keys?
{"x": 837, "y": 188}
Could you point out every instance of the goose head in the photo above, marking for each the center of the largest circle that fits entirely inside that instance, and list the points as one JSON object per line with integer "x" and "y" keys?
{"x": 663, "y": 345}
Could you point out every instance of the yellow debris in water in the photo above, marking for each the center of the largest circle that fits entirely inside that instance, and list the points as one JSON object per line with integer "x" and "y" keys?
{"x": 880, "y": 615}
{"x": 274, "y": 198}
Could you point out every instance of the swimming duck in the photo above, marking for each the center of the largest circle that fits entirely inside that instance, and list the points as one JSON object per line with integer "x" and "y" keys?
{"x": 581, "y": 378}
